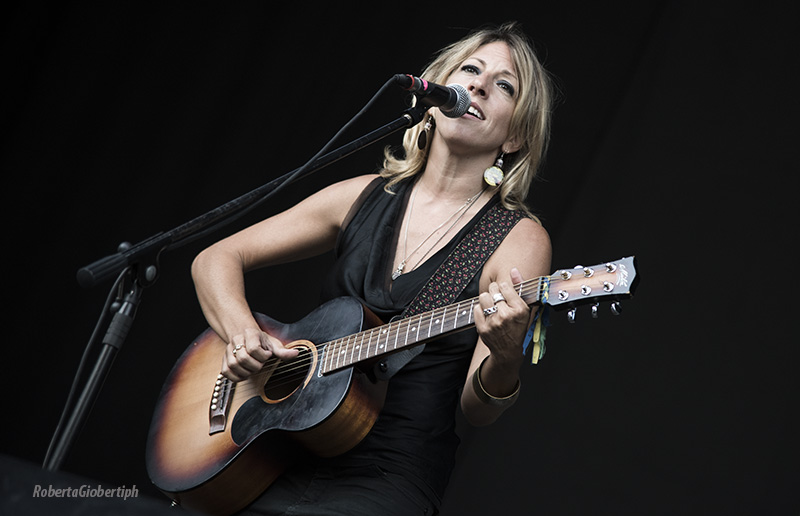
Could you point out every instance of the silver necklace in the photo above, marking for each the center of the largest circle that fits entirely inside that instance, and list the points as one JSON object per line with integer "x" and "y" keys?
{"x": 460, "y": 212}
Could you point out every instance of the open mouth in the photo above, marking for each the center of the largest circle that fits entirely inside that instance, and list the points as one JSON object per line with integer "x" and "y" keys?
{"x": 474, "y": 111}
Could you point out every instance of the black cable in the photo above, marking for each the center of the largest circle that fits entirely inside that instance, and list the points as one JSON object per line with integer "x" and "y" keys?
{"x": 290, "y": 179}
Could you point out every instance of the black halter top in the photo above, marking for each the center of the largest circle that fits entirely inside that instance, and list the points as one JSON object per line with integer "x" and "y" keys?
{"x": 415, "y": 432}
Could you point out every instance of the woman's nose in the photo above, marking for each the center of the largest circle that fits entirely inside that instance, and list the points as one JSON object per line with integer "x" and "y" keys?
{"x": 476, "y": 86}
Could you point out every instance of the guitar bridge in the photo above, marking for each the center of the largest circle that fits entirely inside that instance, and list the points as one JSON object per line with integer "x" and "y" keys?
{"x": 220, "y": 401}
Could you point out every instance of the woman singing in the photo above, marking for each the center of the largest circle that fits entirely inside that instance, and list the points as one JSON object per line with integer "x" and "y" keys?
{"x": 391, "y": 232}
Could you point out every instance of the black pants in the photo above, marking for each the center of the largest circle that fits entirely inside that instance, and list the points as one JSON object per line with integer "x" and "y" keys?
{"x": 324, "y": 490}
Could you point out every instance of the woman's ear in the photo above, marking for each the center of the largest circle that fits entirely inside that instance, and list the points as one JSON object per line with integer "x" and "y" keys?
{"x": 512, "y": 145}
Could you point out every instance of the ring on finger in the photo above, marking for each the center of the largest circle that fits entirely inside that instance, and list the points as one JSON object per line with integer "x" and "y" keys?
{"x": 489, "y": 311}
{"x": 498, "y": 297}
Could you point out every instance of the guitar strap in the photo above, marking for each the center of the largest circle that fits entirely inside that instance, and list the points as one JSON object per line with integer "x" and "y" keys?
{"x": 453, "y": 276}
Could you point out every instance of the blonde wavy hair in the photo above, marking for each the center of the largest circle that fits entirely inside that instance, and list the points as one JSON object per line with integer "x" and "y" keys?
{"x": 530, "y": 120}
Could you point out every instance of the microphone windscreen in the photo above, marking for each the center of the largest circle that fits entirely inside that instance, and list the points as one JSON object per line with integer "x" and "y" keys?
{"x": 462, "y": 102}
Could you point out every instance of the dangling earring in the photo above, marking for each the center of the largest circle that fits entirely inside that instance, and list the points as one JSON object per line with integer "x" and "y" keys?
{"x": 494, "y": 174}
{"x": 422, "y": 139}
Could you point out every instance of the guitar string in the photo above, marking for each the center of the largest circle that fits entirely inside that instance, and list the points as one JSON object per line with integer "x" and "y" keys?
{"x": 392, "y": 331}
{"x": 401, "y": 330}
{"x": 295, "y": 367}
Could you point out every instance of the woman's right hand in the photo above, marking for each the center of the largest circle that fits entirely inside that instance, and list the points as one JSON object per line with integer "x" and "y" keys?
{"x": 309, "y": 228}
{"x": 247, "y": 352}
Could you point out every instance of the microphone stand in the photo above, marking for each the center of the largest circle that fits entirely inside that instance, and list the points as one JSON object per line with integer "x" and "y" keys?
{"x": 138, "y": 265}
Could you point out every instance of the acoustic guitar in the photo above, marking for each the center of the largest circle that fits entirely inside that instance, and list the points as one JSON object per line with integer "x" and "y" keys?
{"x": 215, "y": 445}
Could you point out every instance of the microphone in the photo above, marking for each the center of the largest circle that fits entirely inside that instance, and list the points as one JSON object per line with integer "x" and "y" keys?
{"x": 453, "y": 100}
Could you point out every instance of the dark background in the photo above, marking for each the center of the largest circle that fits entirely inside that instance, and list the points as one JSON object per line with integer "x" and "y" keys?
{"x": 674, "y": 140}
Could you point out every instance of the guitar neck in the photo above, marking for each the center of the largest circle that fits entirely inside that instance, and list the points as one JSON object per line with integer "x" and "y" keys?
{"x": 415, "y": 330}
{"x": 611, "y": 280}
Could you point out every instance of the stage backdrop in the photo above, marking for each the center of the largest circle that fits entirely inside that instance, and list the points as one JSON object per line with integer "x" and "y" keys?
{"x": 673, "y": 141}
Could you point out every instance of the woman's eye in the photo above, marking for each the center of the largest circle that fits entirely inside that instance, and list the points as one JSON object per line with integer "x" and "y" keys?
{"x": 470, "y": 69}
{"x": 507, "y": 87}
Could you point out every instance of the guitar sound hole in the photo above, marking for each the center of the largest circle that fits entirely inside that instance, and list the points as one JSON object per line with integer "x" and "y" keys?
{"x": 288, "y": 376}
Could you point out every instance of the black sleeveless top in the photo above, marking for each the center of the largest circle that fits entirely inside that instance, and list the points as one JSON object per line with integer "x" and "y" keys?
{"x": 415, "y": 432}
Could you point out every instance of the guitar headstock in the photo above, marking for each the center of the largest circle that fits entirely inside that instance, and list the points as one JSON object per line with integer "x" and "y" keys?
{"x": 610, "y": 281}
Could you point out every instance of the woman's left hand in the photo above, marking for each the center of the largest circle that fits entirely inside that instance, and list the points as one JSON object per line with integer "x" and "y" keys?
{"x": 502, "y": 319}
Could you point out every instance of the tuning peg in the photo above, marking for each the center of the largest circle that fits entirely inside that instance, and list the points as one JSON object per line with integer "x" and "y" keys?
{"x": 571, "y": 315}
{"x": 595, "y": 312}
{"x": 616, "y": 308}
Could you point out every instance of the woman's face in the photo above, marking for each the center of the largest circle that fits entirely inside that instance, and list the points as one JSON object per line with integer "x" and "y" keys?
{"x": 490, "y": 77}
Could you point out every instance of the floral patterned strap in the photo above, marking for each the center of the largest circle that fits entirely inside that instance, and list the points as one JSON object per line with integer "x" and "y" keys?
{"x": 453, "y": 276}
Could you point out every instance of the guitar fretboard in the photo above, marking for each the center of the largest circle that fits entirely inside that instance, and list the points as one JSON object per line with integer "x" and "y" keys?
{"x": 416, "y": 329}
